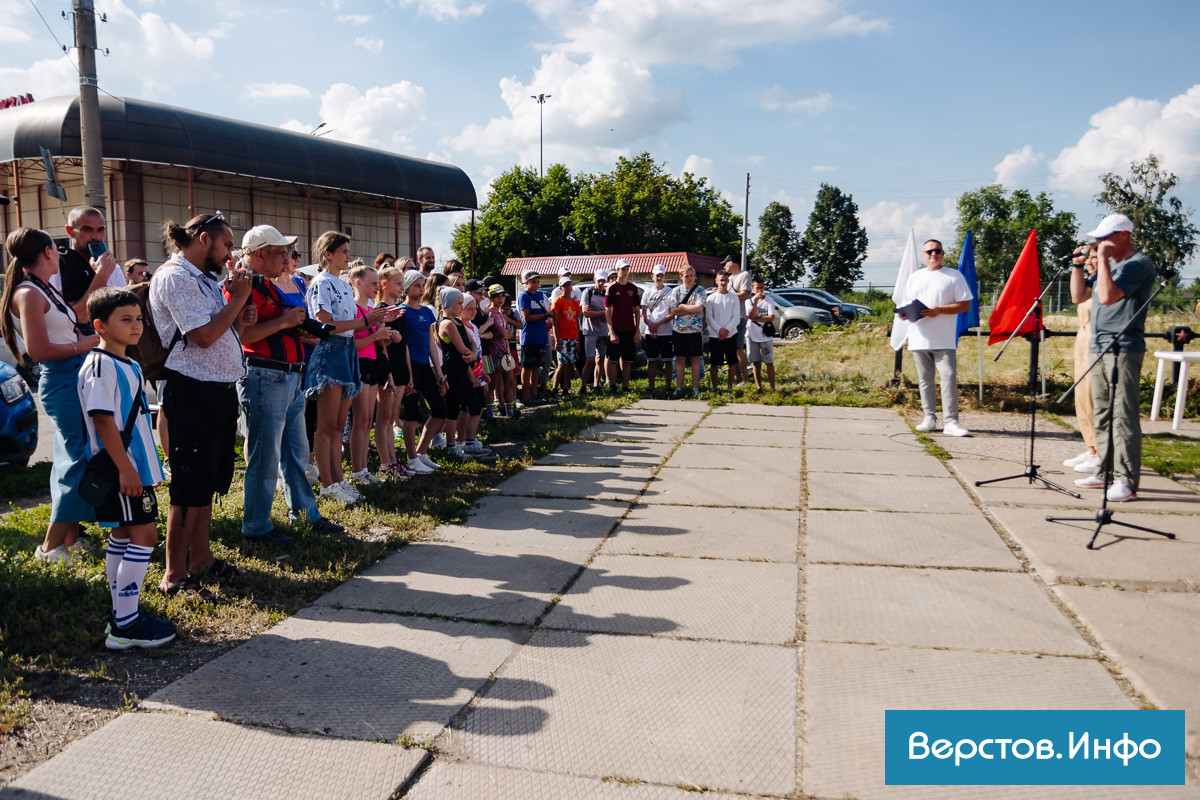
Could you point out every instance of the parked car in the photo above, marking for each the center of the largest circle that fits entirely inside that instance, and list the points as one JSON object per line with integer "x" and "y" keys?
{"x": 793, "y": 319}
{"x": 18, "y": 418}
{"x": 843, "y": 312}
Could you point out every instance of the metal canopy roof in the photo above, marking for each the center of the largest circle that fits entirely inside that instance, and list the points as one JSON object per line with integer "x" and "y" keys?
{"x": 140, "y": 131}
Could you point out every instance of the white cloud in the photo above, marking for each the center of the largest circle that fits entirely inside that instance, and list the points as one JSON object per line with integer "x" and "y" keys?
{"x": 355, "y": 19}
{"x": 1128, "y": 132}
{"x": 10, "y": 34}
{"x": 671, "y": 31}
{"x": 51, "y": 77}
{"x": 442, "y": 10}
{"x": 296, "y": 126}
{"x": 1018, "y": 167}
{"x": 374, "y": 46}
{"x": 595, "y": 110}
{"x": 777, "y": 98}
{"x": 276, "y": 91}
{"x": 821, "y": 168}
{"x": 887, "y": 224}
{"x": 382, "y": 116}
{"x": 697, "y": 165}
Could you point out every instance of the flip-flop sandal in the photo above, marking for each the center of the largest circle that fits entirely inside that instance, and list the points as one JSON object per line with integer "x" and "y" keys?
{"x": 223, "y": 569}
{"x": 188, "y": 586}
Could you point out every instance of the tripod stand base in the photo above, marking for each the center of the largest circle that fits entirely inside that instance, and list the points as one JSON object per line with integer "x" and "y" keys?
{"x": 1031, "y": 473}
{"x": 1102, "y": 517}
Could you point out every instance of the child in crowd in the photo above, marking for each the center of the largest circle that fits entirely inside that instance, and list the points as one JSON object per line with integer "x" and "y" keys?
{"x": 724, "y": 314}
{"x": 332, "y": 376}
{"x": 656, "y": 308}
{"x": 759, "y": 349}
{"x": 376, "y": 376}
{"x": 401, "y": 406}
{"x": 502, "y": 334}
{"x": 594, "y": 330}
{"x": 468, "y": 424}
{"x": 565, "y": 311}
{"x": 457, "y": 357}
{"x": 113, "y": 398}
{"x": 535, "y": 333}
{"x": 687, "y": 307}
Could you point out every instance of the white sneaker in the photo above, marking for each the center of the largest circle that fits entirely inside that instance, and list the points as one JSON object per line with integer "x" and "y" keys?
{"x": 429, "y": 462}
{"x": 312, "y": 473}
{"x": 1079, "y": 459}
{"x": 333, "y": 491}
{"x": 952, "y": 428}
{"x": 418, "y": 466}
{"x": 1090, "y": 482}
{"x": 475, "y": 447}
{"x": 927, "y": 424}
{"x": 352, "y": 495}
{"x": 1119, "y": 492}
{"x": 457, "y": 450}
{"x": 438, "y": 443}
{"x": 60, "y": 553}
{"x": 365, "y": 478}
{"x": 1088, "y": 465}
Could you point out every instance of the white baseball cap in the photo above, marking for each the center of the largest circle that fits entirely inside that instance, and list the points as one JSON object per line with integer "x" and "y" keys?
{"x": 600, "y": 275}
{"x": 261, "y": 236}
{"x": 622, "y": 263}
{"x": 1110, "y": 225}
{"x": 564, "y": 271}
{"x": 658, "y": 269}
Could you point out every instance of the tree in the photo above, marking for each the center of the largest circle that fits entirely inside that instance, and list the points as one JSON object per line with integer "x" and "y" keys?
{"x": 638, "y": 207}
{"x": 776, "y": 257}
{"x": 1162, "y": 227}
{"x": 525, "y": 215}
{"x": 1001, "y": 224}
{"x": 834, "y": 244}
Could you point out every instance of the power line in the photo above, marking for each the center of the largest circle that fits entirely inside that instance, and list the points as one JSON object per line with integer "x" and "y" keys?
{"x": 66, "y": 51}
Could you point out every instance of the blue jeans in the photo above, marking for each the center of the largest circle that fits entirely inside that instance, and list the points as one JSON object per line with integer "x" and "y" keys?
{"x": 273, "y": 402}
{"x": 59, "y": 395}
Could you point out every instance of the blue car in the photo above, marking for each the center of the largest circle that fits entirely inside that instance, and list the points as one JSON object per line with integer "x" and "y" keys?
{"x": 18, "y": 418}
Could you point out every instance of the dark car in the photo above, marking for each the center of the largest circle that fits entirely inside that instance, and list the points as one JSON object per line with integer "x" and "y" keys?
{"x": 18, "y": 418}
{"x": 842, "y": 312}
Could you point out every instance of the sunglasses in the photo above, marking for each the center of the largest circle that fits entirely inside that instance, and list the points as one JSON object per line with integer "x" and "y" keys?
{"x": 933, "y": 252}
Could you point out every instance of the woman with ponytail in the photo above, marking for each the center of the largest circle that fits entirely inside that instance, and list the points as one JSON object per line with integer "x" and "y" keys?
{"x": 51, "y": 334}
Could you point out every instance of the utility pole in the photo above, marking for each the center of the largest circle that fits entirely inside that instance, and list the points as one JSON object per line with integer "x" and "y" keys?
{"x": 745, "y": 220}
{"x": 541, "y": 101}
{"x": 89, "y": 105}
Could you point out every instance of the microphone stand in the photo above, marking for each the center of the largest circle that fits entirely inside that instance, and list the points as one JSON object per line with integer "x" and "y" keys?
{"x": 1031, "y": 469}
{"x": 1104, "y": 514}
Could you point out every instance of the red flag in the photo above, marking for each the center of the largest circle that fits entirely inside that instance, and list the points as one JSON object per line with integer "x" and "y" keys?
{"x": 1023, "y": 287}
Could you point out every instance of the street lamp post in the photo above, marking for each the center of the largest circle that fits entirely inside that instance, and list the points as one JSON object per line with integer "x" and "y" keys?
{"x": 541, "y": 101}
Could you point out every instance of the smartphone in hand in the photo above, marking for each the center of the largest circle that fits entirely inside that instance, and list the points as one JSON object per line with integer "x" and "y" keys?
{"x": 97, "y": 249}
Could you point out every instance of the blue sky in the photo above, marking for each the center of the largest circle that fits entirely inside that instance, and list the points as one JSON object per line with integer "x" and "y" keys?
{"x": 902, "y": 104}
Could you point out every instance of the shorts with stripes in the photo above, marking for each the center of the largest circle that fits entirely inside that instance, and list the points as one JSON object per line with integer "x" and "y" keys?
{"x": 119, "y": 510}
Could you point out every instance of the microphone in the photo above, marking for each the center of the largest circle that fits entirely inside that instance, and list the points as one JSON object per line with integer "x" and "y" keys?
{"x": 1069, "y": 257}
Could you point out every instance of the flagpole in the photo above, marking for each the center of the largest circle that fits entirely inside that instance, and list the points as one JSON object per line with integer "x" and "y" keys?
{"x": 979, "y": 341}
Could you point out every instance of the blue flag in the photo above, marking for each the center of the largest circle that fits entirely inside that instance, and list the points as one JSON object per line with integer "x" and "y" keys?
{"x": 966, "y": 265}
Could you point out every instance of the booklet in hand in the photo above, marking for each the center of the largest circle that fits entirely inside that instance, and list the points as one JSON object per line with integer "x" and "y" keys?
{"x": 912, "y": 311}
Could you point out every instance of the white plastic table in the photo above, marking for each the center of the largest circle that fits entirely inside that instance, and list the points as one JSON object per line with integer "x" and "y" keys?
{"x": 1183, "y": 358}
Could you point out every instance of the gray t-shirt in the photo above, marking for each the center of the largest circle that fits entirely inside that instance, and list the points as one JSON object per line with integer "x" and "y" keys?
{"x": 1135, "y": 277}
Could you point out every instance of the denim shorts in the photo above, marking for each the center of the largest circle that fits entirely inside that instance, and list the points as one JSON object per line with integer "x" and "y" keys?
{"x": 334, "y": 362}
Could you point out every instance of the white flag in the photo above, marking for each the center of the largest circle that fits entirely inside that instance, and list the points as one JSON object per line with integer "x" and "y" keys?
{"x": 908, "y": 265}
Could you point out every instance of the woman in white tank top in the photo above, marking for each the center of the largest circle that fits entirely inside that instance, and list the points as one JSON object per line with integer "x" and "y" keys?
{"x": 49, "y": 330}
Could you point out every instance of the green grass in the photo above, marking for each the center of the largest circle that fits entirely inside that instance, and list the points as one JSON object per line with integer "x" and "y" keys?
{"x": 17, "y": 483}
{"x": 1171, "y": 455}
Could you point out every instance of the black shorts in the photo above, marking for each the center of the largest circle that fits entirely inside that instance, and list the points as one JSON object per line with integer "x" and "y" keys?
{"x": 202, "y": 427}
{"x": 532, "y": 355}
{"x": 724, "y": 351}
{"x": 426, "y": 385}
{"x": 688, "y": 345}
{"x": 410, "y": 405}
{"x": 659, "y": 348}
{"x": 462, "y": 396}
{"x": 374, "y": 371}
{"x": 120, "y": 510}
{"x": 626, "y": 347}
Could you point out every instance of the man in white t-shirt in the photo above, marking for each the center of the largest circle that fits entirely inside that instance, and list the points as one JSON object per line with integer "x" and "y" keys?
{"x": 933, "y": 339}
{"x": 656, "y": 310}
{"x": 739, "y": 284}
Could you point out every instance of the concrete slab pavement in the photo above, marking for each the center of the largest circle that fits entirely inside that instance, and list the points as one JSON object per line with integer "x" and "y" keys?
{"x": 913, "y": 463}
{"x": 140, "y": 756}
{"x": 752, "y": 422}
{"x": 905, "y": 539}
{"x": 887, "y": 493}
{"x": 695, "y": 455}
{"x": 447, "y": 780}
{"x": 762, "y": 409}
{"x": 608, "y": 454}
{"x": 898, "y": 442}
{"x": 631, "y": 432}
{"x": 756, "y": 534}
{"x": 589, "y": 483}
{"x": 731, "y": 488}
{"x": 533, "y": 524}
{"x": 744, "y": 438}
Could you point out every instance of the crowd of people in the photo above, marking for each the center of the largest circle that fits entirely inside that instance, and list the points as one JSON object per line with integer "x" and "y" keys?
{"x": 307, "y": 362}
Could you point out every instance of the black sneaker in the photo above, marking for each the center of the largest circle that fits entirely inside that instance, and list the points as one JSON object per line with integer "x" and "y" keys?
{"x": 324, "y": 525}
{"x": 273, "y": 536}
{"x": 145, "y": 631}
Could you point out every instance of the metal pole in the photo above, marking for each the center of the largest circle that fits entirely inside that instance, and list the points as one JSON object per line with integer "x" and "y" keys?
{"x": 471, "y": 269}
{"x": 541, "y": 101}
{"x": 745, "y": 219}
{"x": 89, "y": 105}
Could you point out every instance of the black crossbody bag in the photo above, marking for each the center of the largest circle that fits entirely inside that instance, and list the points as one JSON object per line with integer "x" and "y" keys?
{"x": 101, "y": 476}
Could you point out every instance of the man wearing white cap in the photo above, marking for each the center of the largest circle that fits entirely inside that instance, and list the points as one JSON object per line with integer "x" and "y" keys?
{"x": 656, "y": 309}
{"x": 1122, "y": 285}
{"x": 272, "y": 395}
